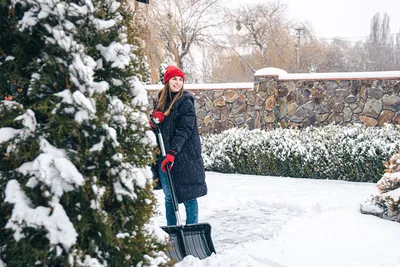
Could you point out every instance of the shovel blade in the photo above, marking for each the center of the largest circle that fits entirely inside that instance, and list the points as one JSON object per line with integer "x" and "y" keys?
{"x": 192, "y": 239}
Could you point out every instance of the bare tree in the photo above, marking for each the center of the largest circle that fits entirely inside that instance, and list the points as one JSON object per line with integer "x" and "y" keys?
{"x": 359, "y": 57}
{"x": 193, "y": 34}
{"x": 338, "y": 55}
{"x": 234, "y": 67}
{"x": 380, "y": 46}
{"x": 397, "y": 51}
{"x": 264, "y": 29}
{"x": 313, "y": 55}
{"x": 183, "y": 24}
{"x": 142, "y": 26}
{"x": 211, "y": 61}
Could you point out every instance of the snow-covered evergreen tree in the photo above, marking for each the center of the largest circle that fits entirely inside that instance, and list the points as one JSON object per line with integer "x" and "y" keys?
{"x": 386, "y": 203}
{"x": 75, "y": 189}
{"x": 163, "y": 67}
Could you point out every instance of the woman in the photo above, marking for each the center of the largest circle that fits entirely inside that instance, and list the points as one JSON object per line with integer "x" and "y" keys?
{"x": 176, "y": 117}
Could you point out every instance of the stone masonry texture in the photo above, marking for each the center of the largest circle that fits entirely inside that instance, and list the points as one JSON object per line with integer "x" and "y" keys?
{"x": 275, "y": 103}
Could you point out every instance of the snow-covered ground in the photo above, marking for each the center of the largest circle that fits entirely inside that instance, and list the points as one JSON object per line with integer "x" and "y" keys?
{"x": 286, "y": 222}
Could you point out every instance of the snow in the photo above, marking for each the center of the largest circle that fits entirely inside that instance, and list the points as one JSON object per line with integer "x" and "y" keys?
{"x": 10, "y": 104}
{"x": 270, "y": 72}
{"x": 98, "y": 192}
{"x": 62, "y": 38}
{"x": 7, "y": 133}
{"x": 120, "y": 191}
{"x": 53, "y": 168}
{"x": 129, "y": 178}
{"x": 75, "y": 10}
{"x": 369, "y": 208}
{"x": 100, "y": 87}
{"x": 104, "y": 24}
{"x": 395, "y": 176}
{"x": 56, "y": 222}
{"x": 116, "y": 82}
{"x": 114, "y": 6}
{"x": 283, "y": 75}
{"x": 99, "y": 64}
{"x": 83, "y": 101}
{"x": 112, "y": 134}
{"x": 116, "y": 106}
{"x": 117, "y": 53}
{"x": 82, "y": 70}
{"x": 139, "y": 92}
{"x": 66, "y": 96}
{"x": 81, "y": 116}
{"x": 28, "y": 120}
{"x": 202, "y": 86}
{"x": 291, "y": 222}
{"x": 117, "y": 157}
{"x": 152, "y": 138}
{"x": 92, "y": 262}
{"x": 99, "y": 146}
{"x": 342, "y": 75}
{"x": 394, "y": 194}
{"x": 123, "y": 235}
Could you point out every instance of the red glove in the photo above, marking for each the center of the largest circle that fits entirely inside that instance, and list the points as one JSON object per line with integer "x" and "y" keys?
{"x": 158, "y": 116}
{"x": 151, "y": 124}
{"x": 170, "y": 158}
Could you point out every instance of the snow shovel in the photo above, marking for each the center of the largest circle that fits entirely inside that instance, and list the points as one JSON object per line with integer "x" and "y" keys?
{"x": 192, "y": 239}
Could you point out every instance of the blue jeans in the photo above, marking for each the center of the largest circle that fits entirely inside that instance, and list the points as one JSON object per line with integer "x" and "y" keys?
{"x": 191, "y": 206}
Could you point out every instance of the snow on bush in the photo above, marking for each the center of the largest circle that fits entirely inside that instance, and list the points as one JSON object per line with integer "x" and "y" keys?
{"x": 386, "y": 203}
{"x": 352, "y": 153}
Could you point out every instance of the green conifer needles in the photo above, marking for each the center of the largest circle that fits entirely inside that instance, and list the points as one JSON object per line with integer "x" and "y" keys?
{"x": 75, "y": 189}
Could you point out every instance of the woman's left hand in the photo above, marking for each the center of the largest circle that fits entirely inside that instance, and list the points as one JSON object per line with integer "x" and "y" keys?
{"x": 168, "y": 159}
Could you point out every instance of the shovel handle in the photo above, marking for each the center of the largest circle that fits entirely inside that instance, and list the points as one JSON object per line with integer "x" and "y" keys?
{"x": 169, "y": 174}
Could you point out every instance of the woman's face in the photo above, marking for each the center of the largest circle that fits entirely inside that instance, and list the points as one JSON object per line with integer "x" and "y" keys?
{"x": 175, "y": 84}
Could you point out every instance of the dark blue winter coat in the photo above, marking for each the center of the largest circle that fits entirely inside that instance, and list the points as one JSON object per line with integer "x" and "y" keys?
{"x": 180, "y": 134}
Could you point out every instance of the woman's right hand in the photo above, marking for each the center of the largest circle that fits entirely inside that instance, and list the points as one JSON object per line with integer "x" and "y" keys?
{"x": 158, "y": 117}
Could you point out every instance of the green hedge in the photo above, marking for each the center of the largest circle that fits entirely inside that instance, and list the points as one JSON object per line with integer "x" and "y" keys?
{"x": 351, "y": 153}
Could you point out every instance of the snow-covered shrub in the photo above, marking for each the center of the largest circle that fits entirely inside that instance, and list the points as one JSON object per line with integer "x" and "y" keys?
{"x": 386, "y": 203}
{"x": 353, "y": 153}
{"x": 75, "y": 189}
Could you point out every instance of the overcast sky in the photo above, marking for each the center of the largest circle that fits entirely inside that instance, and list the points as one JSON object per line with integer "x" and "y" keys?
{"x": 338, "y": 18}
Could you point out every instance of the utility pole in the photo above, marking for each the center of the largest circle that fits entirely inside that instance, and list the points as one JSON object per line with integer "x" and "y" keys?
{"x": 298, "y": 47}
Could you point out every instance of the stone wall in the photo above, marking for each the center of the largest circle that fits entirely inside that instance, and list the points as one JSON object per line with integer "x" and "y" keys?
{"x": 297, "y": 100}
{"x": 224, "y": 106}
{"x": 302, "y": 100}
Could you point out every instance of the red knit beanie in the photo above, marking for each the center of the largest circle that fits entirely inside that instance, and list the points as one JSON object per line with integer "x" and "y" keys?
{"x": 171, "y": 72}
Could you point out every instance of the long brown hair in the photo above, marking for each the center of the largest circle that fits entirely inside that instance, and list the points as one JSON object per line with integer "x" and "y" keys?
{"x": 163, "y": 96}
